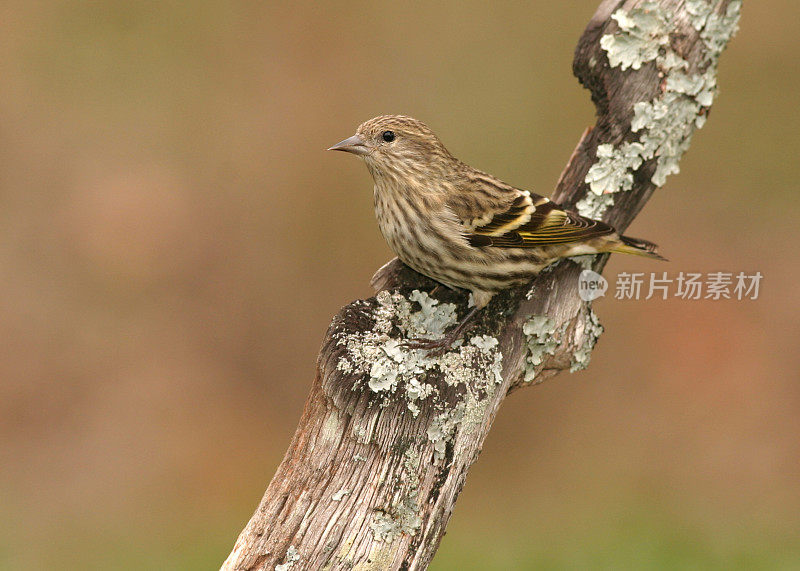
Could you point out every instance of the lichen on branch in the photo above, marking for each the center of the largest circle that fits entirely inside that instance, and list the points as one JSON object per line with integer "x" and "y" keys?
{"x": 663, "y": 125}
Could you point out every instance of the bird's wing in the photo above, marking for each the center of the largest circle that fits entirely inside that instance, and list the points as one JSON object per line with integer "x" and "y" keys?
{"x": 529, "y": 220}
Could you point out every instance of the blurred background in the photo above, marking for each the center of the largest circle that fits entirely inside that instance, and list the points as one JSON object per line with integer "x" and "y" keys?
{"x": 174, "y": 242}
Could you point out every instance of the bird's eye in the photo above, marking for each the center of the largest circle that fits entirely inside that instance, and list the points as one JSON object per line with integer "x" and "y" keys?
{"x": 388, "y": 136}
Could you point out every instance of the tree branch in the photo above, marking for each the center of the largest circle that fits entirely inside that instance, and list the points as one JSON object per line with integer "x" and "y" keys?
{"x": 388, "y": 434}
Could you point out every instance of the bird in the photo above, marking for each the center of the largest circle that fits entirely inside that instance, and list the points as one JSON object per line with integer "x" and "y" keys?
{"x": 465, "y": 228}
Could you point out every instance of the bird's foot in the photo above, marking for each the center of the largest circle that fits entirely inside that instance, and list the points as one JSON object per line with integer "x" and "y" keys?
{"x": 435, "y": 347}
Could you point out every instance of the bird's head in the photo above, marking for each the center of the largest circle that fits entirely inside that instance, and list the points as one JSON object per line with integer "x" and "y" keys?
{"x": 397, "y": 146}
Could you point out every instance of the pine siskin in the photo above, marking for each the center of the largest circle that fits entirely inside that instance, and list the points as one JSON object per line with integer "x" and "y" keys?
{"x": 465, "y": 228}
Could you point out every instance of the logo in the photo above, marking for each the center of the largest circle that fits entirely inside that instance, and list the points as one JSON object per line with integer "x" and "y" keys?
{"x": 591, "y": 285}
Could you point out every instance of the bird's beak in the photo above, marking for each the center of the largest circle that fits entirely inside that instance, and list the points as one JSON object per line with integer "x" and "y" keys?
{"x": 354, "y": 144}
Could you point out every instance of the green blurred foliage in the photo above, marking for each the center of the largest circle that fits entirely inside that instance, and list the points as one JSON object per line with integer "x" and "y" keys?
{"x": 174, "y": 242}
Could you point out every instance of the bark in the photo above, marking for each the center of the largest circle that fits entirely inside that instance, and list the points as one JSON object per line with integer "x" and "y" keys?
{"x": 387, "y": 437}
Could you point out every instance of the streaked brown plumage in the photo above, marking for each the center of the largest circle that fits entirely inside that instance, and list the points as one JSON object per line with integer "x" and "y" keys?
{"x": 463, "y": 227}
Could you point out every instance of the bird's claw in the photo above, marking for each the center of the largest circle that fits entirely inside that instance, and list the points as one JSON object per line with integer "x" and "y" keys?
{"x": 435, "y": 347}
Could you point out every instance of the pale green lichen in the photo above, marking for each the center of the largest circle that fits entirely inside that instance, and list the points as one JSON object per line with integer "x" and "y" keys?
{"x": 698, "y": 10}
{"x": 586, "y": 333}
{"x": 339, "y": 496}
{"x": 594, "y": 206}
{"x": 719, "y": 29}
{"x": 377, "y": 360}
{"x": 390, "y": 367}
{"x": 479, "y": 384}
{"x": 415, "y": 389}
{"x": 613, "y": 172}
{"x": 433, "y": 319}
{"x": 642, "y": 33}
{"x": 540, "y": 337}
{"x": 402, "y": 515}
{"x": 411, "y": 466}
{"x": 386, "y": 527}
{"x": 665, "y": 124}
{"x": 291, "y": 558}
{"x": 484, "y": 342}
{"x": 443, "y": 426}
{"x": 614, "y": 166}
{"x": 671, "y": 60}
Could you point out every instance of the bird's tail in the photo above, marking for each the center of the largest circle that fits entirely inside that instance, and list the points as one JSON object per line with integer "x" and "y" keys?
{"x": 637, "y": 247}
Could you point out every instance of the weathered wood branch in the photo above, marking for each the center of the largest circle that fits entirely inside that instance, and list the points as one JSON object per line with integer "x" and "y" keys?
{"x": 388, "y": 435}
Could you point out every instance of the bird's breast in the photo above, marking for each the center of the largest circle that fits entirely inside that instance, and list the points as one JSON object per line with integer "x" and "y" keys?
{"x": 431, "y": 240}
{"x": 414, "y": 225}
